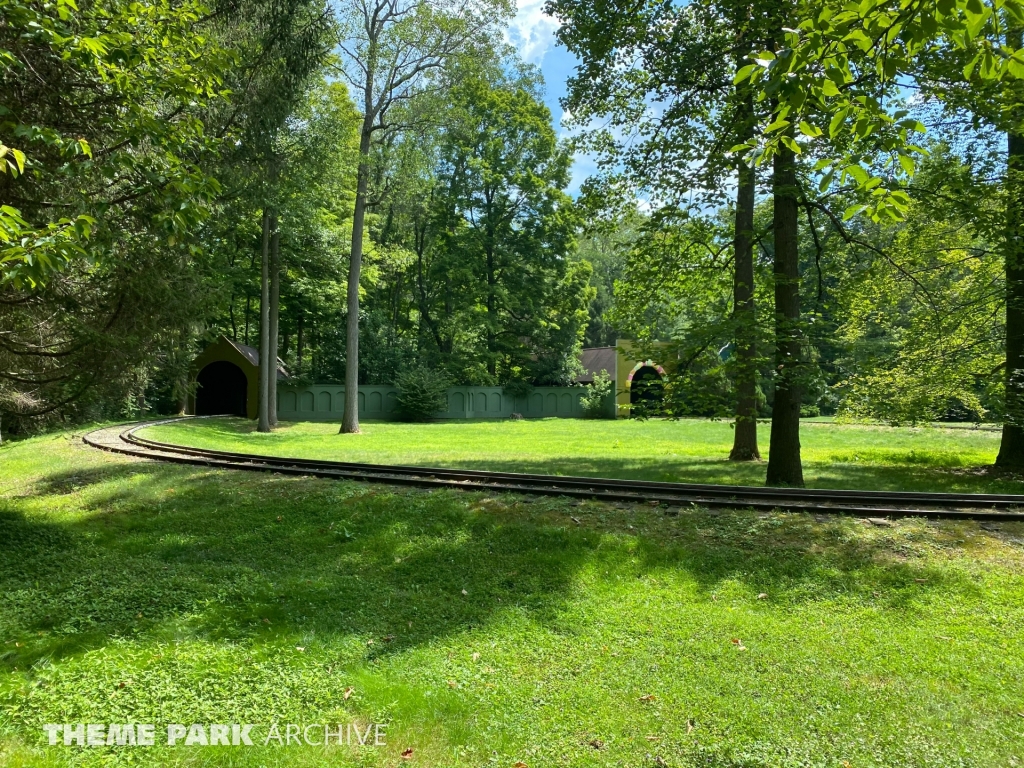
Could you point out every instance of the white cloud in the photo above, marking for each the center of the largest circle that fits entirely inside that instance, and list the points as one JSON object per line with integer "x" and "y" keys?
{"x": 532, "y": 31}
{"x": 565, "y": 127}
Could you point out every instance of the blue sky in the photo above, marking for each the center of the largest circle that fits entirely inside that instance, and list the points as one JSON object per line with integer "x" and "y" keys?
{"x": 533, "y": 34}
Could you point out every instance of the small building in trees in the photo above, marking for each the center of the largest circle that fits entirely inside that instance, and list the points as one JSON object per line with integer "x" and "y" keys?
{"x": 227, "y": 380}
{"x": 637, "y": 382}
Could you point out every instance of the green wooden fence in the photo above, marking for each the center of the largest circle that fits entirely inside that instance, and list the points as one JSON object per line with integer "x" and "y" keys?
{"x": 326, "y": 402}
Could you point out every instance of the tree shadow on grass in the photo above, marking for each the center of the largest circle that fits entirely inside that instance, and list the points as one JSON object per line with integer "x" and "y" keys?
{"x": 901, "y": 469}
{"x": 63, "y": 483}
{"x": 712, "y": 471}
{"x": 171, "y": 552}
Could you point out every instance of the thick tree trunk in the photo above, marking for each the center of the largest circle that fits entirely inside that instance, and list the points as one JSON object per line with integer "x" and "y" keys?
{"x": 784, "y": 466}
{"x": 263, "y": 424}
{"x": 1011, "y": 448}
{"x": 275, "y": 306}
{"x": 744, "y": 444}
{"x": 350, "y": 419}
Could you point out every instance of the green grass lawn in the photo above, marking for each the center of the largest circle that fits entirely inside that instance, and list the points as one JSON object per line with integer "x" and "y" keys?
{"x": 494, "y": 630}
{"x": 689, "y": 450}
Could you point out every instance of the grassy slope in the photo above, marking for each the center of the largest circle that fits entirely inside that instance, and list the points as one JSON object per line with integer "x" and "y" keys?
{"x": 835, "y": 456}
{"x": 157, "y": 593}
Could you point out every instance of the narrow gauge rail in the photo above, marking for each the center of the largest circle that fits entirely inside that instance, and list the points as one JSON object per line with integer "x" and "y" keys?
{"x": 991, "y": 507}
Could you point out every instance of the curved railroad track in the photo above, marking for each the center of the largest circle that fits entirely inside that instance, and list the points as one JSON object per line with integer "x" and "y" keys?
{"x": 881, "y": 504}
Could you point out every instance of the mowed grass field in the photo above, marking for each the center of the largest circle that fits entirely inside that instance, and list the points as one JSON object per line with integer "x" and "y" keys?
{"x": 689, "y": 450}
{"x": 492, "y": 630}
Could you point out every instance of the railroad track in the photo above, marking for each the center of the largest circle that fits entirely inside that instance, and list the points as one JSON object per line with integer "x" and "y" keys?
{"x": 992, "y": 507}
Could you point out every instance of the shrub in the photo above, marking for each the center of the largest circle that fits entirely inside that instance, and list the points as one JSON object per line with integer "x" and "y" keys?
{"x": 421, "y": 394}
{"x": 594, "y": 402}
{"x": 517, "y": 389}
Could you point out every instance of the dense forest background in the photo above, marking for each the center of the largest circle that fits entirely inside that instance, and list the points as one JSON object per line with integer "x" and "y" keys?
{"x": 300, "y": 172}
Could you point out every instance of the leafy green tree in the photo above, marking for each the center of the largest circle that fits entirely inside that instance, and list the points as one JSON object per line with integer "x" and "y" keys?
{"x": 672, "y": 80}
{"x": 968, "y": 83}
{"x": 606, "y": 247}
{"x": 316, "y": 156}
{"x": 505, "y": 172}
{"x": 99, "y": 117}
{"x": 106, "y": 180}
{"x": 661, "y": 77}
{"x": 163, "y": 98}
{"x": 919, "y": 327}
{"x": 393, "y": 50}
{"x": 676, "y": 288}
{"x": 290, "y": 43}
{"x": 837, "y": 69}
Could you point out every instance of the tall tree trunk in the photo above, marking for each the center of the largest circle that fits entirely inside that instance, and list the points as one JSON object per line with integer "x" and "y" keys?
{"x": 263, "y": 424}
{"x": 180, "y": 391}
{"x": 181, "y": 384}
{"x": 275, "y": 306}
{"x": 784, "y": 467}
{"x": 744, "y": 441}
{"x": 1011, "y": 447}
{"x": 492, "y": 320}
{"x": 350, "y": 419}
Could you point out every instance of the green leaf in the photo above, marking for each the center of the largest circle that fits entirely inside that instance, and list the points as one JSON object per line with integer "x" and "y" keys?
{"x": 859, "y": 174}
{"x": 852, "y": 211}
{"x": 836, "y": 124}
{"x": 969, "y": 69}
{"x": 94, "y": 45}
{"x": 809, "y": 130}
{"x": 989, "y": 69}
{"x": 744, "y": 73}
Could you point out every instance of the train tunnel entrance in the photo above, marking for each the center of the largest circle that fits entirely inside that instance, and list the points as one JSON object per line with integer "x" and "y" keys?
{"x": 646, "y": 392}
{"x": 222, "y": 390}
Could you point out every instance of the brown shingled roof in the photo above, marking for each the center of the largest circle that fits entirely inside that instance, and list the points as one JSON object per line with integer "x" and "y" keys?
{"x": 253, "y": 356}
{"x": 595, "y": 360}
